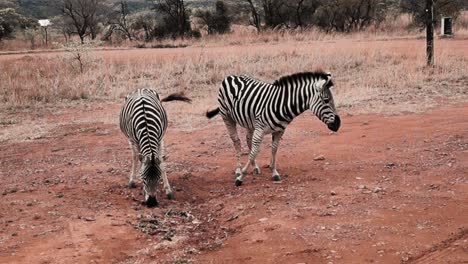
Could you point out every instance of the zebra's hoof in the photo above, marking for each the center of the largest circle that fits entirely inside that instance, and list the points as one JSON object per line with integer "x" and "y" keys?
{"x": 170, "y": 196}
{"x": 257, "y": 171}
{"x": 238, "y": 183}
{"x": 276, "y": 178}
{"x": 131, "y": 185}
{"x": 151, "y": 202}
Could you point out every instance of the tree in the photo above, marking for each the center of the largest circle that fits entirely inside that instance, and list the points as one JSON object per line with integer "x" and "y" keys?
{"x": 276, "y": 13}
{"x": 63, "y": 25}
{"x": 350, "y": 15}
{"x": 255, "y": 19}
{"x": 119, "y": 20}
{"x": 302, "y": 11}
{"x": 175, "y": 16}
{"x": 10, "y": 20}
{"x": 9, "y": 4}
{"x": 144, "y": 20}
{"x": 417, "y": 9}
{"x": 83, "y": 15}
{"x": 218, "y": 21}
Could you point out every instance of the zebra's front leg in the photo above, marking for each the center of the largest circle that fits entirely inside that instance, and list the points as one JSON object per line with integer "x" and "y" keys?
{"x": 167, "y": 186}
{"x": 248, "y": 138}
{"x": 135, "y": 154}
{"x": 256, "y": 142}
{"x": 232, "y": 130}
{"x": 276, "y": 137}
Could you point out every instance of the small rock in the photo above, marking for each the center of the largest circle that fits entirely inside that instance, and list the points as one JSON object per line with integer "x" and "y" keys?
{"x": 377, "y": 189}
{"x": 361, "y": 187}
{"x": 320, "y": 157}
{"x": 333, "y": 193}
{"x": 263, "y": 219}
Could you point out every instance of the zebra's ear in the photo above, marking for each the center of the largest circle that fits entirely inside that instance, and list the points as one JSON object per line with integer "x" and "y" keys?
{"x": 321, "y": 84}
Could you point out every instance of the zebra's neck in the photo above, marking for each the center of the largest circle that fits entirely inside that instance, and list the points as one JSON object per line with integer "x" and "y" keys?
{"x": 294, "y": 98}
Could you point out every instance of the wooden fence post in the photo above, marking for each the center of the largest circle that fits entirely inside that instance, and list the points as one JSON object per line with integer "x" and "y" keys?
{"x": 430, "y": 32}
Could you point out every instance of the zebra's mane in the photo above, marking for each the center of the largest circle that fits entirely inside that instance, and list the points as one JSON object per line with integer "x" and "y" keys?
{"x": 303, "y": 75}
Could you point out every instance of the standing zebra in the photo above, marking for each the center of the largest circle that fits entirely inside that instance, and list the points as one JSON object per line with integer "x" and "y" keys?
{"x": 264, "y": 108}
{"x": 144, "y": 121}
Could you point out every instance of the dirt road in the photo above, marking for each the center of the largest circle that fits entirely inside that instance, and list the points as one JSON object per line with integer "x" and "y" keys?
{"x": 389, "y": 189}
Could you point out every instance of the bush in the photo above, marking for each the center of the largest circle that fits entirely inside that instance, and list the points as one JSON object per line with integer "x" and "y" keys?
{"x": 351, "y": 15}
{"x": 10, "y": 20}
{"x": 218, "y": 22}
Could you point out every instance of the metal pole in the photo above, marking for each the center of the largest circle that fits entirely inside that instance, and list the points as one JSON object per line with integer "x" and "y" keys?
{"x": 46, "y": 40}
{"x": 430, "y": 32}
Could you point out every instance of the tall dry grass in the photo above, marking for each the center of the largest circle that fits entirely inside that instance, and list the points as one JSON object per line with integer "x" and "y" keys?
{"x": 380, "y": 76}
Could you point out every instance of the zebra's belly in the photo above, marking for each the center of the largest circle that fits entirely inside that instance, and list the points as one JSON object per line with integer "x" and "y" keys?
{"x": 248, "y": 123}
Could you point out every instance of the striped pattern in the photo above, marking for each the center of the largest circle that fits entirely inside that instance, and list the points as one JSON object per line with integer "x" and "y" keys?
{"x": 264, "y": 108}
{"x": 144, "y": 121}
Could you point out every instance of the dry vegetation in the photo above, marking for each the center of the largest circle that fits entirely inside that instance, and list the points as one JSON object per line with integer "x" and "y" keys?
{"x": 65, "y": 162}
{"x": 373, "y": 74}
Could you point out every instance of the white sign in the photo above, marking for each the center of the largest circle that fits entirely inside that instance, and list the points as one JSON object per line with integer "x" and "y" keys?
{"x": 44, "y": 22}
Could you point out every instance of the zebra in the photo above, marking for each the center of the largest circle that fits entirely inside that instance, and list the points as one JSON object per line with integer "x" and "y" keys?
{"x": 143, "y": 120}
{"x": 263, "y": 108}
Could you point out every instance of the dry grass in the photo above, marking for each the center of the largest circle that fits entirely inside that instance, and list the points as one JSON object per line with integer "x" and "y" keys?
{"x": 378, "y": 76}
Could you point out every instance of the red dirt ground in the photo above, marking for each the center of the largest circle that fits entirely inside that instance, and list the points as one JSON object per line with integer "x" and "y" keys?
{"x": 390, "y": 189}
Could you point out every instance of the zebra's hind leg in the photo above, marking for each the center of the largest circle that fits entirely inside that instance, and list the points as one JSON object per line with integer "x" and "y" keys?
{"x": 256, "y": 142}
{"x": 276, "y": 137}
{"x": 135, "y": 154}
{"x": 248, "y": 138}
{"x": 232, "y": 130}
{"x": 167, "y": 186}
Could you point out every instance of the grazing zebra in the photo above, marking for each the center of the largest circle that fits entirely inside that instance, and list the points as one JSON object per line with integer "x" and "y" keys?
{"x": 144, "y": 121}
{"x": 263, "y": 108}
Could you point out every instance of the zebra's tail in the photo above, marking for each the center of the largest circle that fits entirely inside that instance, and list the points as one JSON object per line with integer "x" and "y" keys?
{"x": 212, "y": 113}
{"x": 176, "y": 97}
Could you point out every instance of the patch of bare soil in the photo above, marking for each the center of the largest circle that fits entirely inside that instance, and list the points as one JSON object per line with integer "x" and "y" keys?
{"x": 388, "y": 189}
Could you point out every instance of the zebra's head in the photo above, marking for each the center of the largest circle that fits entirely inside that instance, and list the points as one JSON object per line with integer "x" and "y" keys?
{"x": 150, "y": 173}
{"x": 322, "y": 104}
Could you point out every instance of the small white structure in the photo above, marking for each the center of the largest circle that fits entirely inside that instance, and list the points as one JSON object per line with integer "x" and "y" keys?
{"x": 44, "y": 23}
{"x": 446, "y": 27}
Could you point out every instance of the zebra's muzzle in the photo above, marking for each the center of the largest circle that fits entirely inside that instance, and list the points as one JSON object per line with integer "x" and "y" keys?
{"x": 151, "y": 201}
{"x": 335, "y": 125}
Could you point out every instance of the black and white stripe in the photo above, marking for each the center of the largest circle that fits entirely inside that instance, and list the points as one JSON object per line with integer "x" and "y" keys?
{"x": 144, "y": 121}
{"x": 264, "y": 108}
